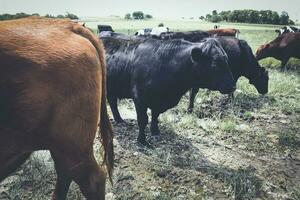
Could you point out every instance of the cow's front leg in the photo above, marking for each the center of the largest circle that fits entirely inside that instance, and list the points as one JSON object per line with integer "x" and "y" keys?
{"x": 193, "y": 92}
{"x": 154, "y": 126}
{"x": 142, "y": 118}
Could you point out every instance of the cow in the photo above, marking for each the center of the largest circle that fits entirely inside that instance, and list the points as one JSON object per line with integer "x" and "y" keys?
{"x": 52, "y": 97}
{"x": 287, "y": 29}
{"x": 224, "y": 32}
{"x": 241, "y": 61}
{"x": 192, "y": 36}
{"x": 157, "y": 73}
{"x": 282, "y": 48}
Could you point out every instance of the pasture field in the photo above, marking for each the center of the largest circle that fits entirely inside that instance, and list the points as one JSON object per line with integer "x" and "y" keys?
{"x": 245, "y": 148}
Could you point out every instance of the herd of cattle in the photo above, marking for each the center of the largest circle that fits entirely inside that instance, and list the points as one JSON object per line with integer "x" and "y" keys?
{"x": 54, "y": 83}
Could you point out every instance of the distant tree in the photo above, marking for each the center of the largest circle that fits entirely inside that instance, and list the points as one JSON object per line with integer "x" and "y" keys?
{"x": 49, "y": 16}
{"x": 201, "y": 17}
{"x": 284, "y": 18}
{"x": 138, "y": 15}
{"x": 161, "y": 25}
{"x": 214, "y": 12}
{"x": 148, "y": 16}
{"x": 127, "y": 16}
{"x": 216, "y": 18}
{"x": 208, "y": 17}
{"x": 60, "y": 16}
{"x": 71, "y": 16}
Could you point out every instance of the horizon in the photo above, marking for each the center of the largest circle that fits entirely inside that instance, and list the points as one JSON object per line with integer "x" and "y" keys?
{"x": 159, "y": 10}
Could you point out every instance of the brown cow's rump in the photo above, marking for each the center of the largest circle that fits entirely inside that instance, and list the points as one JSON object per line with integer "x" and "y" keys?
{"x": 52, "y": 87}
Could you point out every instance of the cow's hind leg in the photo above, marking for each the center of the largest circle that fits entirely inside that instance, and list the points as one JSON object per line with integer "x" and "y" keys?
{"x": 193, "y": 93}
{"x": 63, "y": 180}
{"x": 154, "y": 126}
{"x": 84, "y": 170}
{"x": 10, "y": 162}
{"x": 113, "y": 102}
{"x": 142, "y": 118}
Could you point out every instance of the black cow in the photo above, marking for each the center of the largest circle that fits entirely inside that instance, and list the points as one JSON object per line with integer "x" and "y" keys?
{"x": 242, "y": 62}
{"x": 192, "y": 36}
{"x": 240, "y": 59}
{"x": 157, "y": 73}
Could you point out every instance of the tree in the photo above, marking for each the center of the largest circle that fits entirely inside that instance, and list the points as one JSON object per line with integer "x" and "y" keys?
{"x": 216, "y": 18}
{"x": 284, "y": 18}
{"x": 71, "y": 16}
{"x": 148, "y": 16}
{"x": 127, "y": 16}
{"x": 214, "y": 12}
{"x": 201, "y": 17}
{"x": 138, "y": 15}
{"x": 208, "y": 17}
{"x": 60, "y": 16}
{"x": 161, "y": 25}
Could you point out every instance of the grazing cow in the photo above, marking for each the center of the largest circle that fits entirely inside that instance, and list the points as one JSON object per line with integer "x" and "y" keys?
{"x": 241, "y": 61}
{"x": 224, "y": 32}
{"x": 52, "y": 87}
{"x": 287, "y": 29}
{"x": 282, "y": 48}
{"x": 157, "y": 73}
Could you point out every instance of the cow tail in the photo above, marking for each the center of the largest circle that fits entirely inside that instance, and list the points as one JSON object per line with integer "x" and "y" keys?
{"x": 105, "y": 128}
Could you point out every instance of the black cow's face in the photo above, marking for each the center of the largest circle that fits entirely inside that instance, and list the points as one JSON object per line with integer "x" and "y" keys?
{"x": 213, "y": 62}
{"x": 261, "y": 81}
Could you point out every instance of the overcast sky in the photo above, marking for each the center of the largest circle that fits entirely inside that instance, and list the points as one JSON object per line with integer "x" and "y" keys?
{"x": 158, "y": 8}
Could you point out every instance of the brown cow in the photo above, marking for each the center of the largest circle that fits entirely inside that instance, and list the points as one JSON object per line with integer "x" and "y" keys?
{"x": 282, "y": 48}
{"x": 52, "y": 87}
{"x": 224, "y": 32}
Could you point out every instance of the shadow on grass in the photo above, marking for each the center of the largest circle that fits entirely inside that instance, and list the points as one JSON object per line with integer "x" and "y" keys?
{"x": 176, "y": 152}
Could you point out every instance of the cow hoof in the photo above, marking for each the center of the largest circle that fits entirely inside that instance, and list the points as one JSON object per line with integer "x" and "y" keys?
{"x": 144, "y": 144}
{"x": 156, "y": 138}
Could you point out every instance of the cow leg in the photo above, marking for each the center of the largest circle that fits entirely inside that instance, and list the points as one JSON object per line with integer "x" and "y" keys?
{"x": 9, "y": 163}
{"x": 154, "y": 126}
{"x": 113, "y": 102}
{"x": 83, "y": 169}
{"x": 142, "y": 118}
{"x": 283, "y": 63}
{"x": 193, "y": 93}
{"x": 63, "y": 181}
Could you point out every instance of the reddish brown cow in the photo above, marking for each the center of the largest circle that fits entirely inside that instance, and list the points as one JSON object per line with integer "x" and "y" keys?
{"x": 224, "y": 32}
{"x": 282, "y": 48}
{"x": 52, "y": 87}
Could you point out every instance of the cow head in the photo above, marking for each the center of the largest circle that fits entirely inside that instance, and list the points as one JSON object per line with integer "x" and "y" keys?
{"x": 261, "y": 80}
{"x": 262, "y": 51}
{"x": 210, "y": 59}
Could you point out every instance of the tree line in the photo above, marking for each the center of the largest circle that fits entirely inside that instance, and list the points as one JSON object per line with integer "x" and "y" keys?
{"x": 138, "y": 15}
{"x": 22, "y": 15}
{"x": 250, "y": 16}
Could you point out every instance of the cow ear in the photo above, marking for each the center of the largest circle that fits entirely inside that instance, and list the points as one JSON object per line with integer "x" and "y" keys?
{"x": 197, "y": 55}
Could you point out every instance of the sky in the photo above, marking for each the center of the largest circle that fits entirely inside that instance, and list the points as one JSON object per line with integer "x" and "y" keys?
{"x": 169, "y": 9}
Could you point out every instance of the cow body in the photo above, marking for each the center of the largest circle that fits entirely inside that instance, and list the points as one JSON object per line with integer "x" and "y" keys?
{"x": 52, "y": 87}
{"x": 224, "y": 32}
{"x": 282, "y": 48}
{"x": 241, "y": 61}
{"x": 157, "y": 73}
